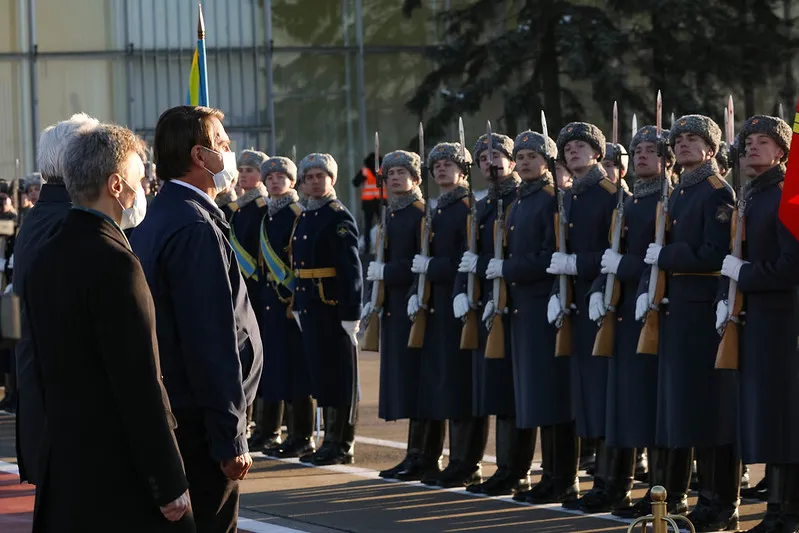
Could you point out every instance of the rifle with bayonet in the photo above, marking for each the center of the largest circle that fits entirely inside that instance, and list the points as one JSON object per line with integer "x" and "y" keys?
{"x": 469, "y": 338}
{"x": 371, "y": 328}
{"x": 416, "y": 337}
{"x": 495, "y": 344}
{"x": 563, "y": 340}
{"x": 656, "y": 290}
{"x": 603, "y": 342}
{"x": 727, "y": 354}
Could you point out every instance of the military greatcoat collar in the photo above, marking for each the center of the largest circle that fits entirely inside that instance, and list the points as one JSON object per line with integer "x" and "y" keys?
{"x": 450, "y": 197}
{"x": 314, "y": 204}
{"x": 529, "y": 187}
{"x": 595, "y": 175}
{"x": 401, "y": 201}
{"x": 276, "y": 203}
{"x": 259, "y": 191}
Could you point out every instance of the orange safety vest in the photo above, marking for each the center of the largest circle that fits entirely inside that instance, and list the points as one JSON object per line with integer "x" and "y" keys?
{"x": 370, "y": 190}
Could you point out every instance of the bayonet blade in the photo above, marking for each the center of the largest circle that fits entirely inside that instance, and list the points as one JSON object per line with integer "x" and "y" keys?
{"x": 294, "y": 152}
{"x": 545, "y": 132}
{"x": 782, "y": 112}
{"x": 421, "y": 142}
{"x": 615, "y": 124}
{"x": 462, "y": 138}
{"x": 377, "y": 153}
{"x": 635, "y": 125}
{"x": 672, "y": 120}
{"x": 730, "y": 119}
{"x": 659, "y": 116}
{"x": 490, "y": 141}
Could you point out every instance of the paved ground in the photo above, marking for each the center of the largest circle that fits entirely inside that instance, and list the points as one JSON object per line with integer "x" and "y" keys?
{"x": 284, "y": 496}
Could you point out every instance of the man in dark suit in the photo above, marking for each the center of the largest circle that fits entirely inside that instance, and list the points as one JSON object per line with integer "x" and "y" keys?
{"x": 42, "y": 223}
{"x": 93, "y": 326}
{"x": 208, "y": 333}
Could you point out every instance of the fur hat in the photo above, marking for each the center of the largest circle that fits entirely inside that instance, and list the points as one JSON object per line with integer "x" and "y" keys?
{"x": 700, "y": 125}
{"x": 532, "y": 140}
{"x": 650, "y": 134}
{"x": 450, "y": 152}
{"x": 582, "y": 131}
{"x": 774, "y": 127}
{"x": 279, "y": 164}
{"x": 34, "y": 179}
{"x": 401, "y": 158}
{"x": 251, "y": 158}
{"x": 318, "y": 160}
{"x": 500, "y": 142}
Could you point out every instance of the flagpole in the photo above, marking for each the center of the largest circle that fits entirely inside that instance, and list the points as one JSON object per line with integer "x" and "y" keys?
{"x": 203, "y": 101}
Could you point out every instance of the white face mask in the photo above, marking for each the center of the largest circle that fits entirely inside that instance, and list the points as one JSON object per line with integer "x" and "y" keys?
{"x": 225, "y": 177}
{"x": 133, "y": 215}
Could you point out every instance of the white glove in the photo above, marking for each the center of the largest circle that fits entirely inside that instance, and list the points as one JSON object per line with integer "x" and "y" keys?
{"x": 468, "y": 262}
{"x": 174, "y": 510}
{"x": 553, "y": 309}
{"x": 420, "y": 264}
{"x": 641, "y": 306}
{"x": 460, "y": 305}
{"x": 610, "y": 262}
{"x": 722, "y": 311}
{"x": 367, "y": 310}
{"x": 731, "y": 267}
{"x": 9, "y": 289}
{"x": 596, "y": 306}
{"x": 563, "y": 264}
{"x": 652, "y": 254}
{"x": 413, "y": 306}
{"x": 494, "y": 269}
{"x": 351, "y": 327}
{"x": 297, "y": 319}
{"x": 375, "y": 271}
{"x": 488, "y": 312}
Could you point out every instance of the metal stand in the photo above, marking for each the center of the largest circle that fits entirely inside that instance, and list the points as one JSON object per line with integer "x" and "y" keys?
{"x": 659, "y": 519}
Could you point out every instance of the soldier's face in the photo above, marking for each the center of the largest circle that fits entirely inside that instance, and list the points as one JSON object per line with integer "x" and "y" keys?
{"x": 691, "y": 150}
{"x": 33, "y": 193}
{"x": 318, "y": 183}
{"x": 563, "y": 175}
{"x": 248, "y": 177}
{"x": 530, "y": 164}
{"x": 504, "y": 165}
{"x": 579, "y": 155}
{"x": 762, "y": 152}
{"x": 399, "y": 180}
{"x": 646, "y": 160}
{"x": 611, "y": 170}
{"x": 446, "y": 173}
{"x": 277, "y": 183}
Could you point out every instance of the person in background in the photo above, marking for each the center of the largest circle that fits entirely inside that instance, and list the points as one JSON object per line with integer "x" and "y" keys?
{"x": 370, "y": 197}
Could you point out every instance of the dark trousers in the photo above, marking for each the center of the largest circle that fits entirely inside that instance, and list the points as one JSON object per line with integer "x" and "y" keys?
{"x": 214, "y": 498}
{"x": 371, "y": 210}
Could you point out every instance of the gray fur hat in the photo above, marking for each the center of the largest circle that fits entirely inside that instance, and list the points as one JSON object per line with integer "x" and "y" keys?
{"x": 532, "y": 140}
{"x": 318, "y": 160}
{"x": 582, "y": 131}
{"x": 500, "y": 142}
{"x": 610, "y": 154}
{"x": 449, "y": 152}
{"x": 401, "y": 158}
{"x": 34, "y": 179}
{"x": 279, "y": 164}
{"x": 700, "y": 125}
{"x": 774, "y": 127}
{"x": 251, "y": 158}
{"x": 650, "y": 134}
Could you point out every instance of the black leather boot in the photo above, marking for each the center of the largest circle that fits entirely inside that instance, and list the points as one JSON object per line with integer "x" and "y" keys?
{"x": 428, "y": 460}
{"x": 588, "y": 455}
{"x": 565, "y": 458}
{"x": 789, "y": 509}
{"x": 412, "y": 452}
{"x": 642, "y": 466}
{"x": 719, "y": 476}
{"x": 774, "y": 474}
{"x": 268, "y": 434}
{"x": 597, "y": 492}
{"x": 329, "y": 440}
{"x": 619, "y": 468}
{"x": 513, "y": 449}
{"x": 657, "y": 461}
{"x": 544, "y": 488}
{"x": 468, "y": 439}
{"x": 301, "y": 421}
{"x": 342, "y": 439}
{"x": 677, "y": 476}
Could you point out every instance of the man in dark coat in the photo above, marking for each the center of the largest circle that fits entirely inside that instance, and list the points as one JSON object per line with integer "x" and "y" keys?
{"x": 327, "y": 305}
{"x": 445, "y": 377}
{"x": 767, "y": 276}
{"x": 286, "y": 377}
{"x": 541, "y": 381}
{"x": 93, "y": 326}
{"x": 492, "y": 378}
{"x": 207, "y": 331}
{"x": 42, "y": 223}
{"x": 697, "y": 405}
{"x": 589, "y": 208}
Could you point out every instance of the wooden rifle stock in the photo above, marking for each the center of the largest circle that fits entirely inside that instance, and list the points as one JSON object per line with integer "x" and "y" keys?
{"x": 563, "y": 339}
{"x": 495, "y": 344}
{"x": 469, "y": 337}
{"x": 650, "y": 332}
{"x": 371, "y": 335}
{"x": 729, "y": 347}
{"x": 603, "y": 342}
{"x": 419, "y": 324}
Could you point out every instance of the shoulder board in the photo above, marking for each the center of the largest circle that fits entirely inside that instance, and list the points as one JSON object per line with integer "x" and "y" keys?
{"x": 296, "y": 209}
{"x": 715, "y": 182}
{"x": 549, "y": 189}
{"x": 608, "y": 186}
{"x": 781, "y": 184}
{"x": 260, "y": 201}
{"x": 335, "y": 205}
{"x": 233, "y": 206}
{"x": 419, "y": 204}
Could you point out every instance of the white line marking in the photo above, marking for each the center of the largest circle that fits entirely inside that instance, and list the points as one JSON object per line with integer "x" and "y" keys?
{"x": 9, "y": 468}
{"x": 263, "y": 527}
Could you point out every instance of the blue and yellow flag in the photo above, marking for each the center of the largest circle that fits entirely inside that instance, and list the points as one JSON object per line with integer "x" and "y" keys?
{"x": 198, "y": 78}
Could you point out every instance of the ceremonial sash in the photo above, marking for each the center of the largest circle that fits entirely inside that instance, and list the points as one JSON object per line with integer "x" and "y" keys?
{"x": 247, "y": 263}
{"x": 280, "y": 272}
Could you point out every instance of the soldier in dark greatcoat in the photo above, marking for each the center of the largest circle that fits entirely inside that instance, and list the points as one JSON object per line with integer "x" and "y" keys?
{"x": 493, "y": 391}
{"x": 541, "y": 381}
{"x": 589, "y": 208}
{"x": 697, "y": 405}
{"x": 767, "y": 277}
{"x": 286, "y": 376}
{"x": 327, "y": 305}
{"x": 399, "y": 364}
{"x": 445, "y": 377}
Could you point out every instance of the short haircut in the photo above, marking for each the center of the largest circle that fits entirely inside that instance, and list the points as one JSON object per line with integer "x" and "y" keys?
{"x": 53, "y": 142}
{"x": 92, "y": 156}
{"x": 178, "y": 130}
